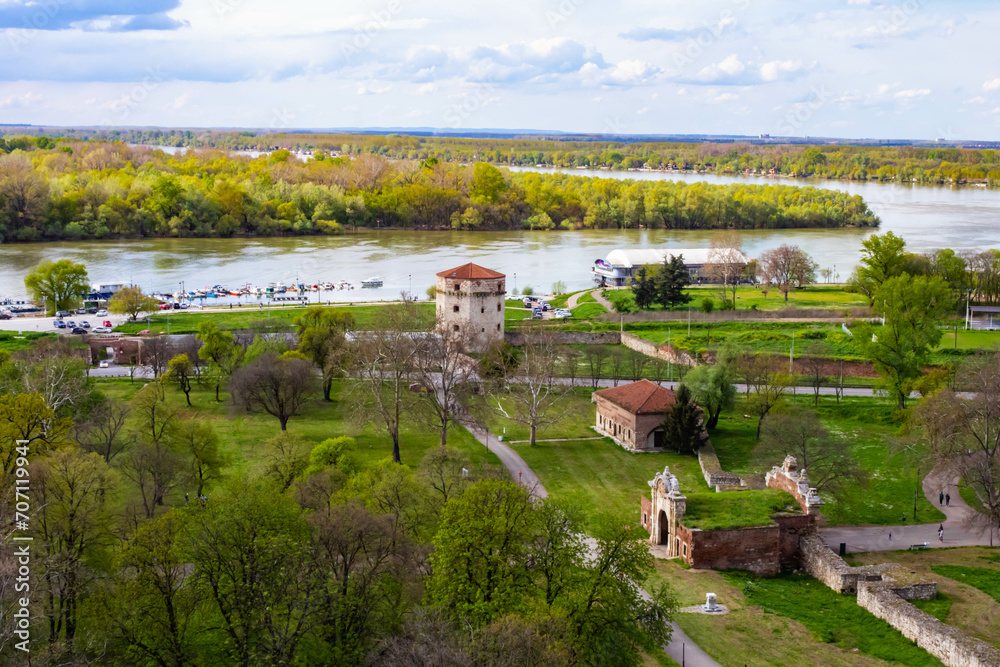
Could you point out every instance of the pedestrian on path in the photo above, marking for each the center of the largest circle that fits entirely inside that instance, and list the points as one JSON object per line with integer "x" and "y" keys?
{"x": 941, "y": 532}
{"x": 904, "y": 519}
{"x": 890, "y": 536}
{"x": 947, "y": 499}
{"x": 941, "y": 498}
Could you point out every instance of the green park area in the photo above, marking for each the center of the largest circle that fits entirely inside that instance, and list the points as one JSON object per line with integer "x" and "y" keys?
{"x": 817, "y": 296}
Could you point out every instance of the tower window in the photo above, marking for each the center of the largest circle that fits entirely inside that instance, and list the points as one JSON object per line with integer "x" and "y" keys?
{"x": 482, "y": 310}
{"x": 455, "y": 308}
{"x": 454, "y": 327}
{"x": 498, "y": 327}
{"x": 484, "y": 330}
{"x": 498, "y": 307}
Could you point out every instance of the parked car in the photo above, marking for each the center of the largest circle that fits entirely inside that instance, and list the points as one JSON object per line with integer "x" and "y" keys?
{"x": 107, "y": 323}
{"x": 102, "y": 329}
{"x": 164, "y": 306}
{"x": 81, "y": 311}
{"x": 79, "y": 330}
{"x": 92, "y": 311}
{"x": 103, "y": 364}
{"x": 537, "y": 315}
{"x": 71, "y": 324}
{"x": 84, "y": 323}
{"x": 62, "y": 313}
{"x": 4, "y": 315}
{"x": 177, "y": 306}
{"x": 59, "y": 324}
{"x": 563, "y": 315}
{"x": 143, "y": 332}
{"x": 101, "y": 313}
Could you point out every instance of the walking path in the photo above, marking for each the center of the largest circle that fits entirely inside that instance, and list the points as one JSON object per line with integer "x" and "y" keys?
{"x": 892, "y": 538}
{"x": 574, "y": 300}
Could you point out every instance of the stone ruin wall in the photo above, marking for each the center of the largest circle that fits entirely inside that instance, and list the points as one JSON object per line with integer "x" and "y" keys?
{"x": 789, "y": 478}
{"x": 949, "y": 645}
{"x": 517, "y": 338}
{"x": 650, "y": 349}
{"x": 877, "y": 592}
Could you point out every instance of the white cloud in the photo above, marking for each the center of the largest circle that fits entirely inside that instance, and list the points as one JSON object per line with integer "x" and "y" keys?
{"x": 725, "y": 97}
{"x": 727, "y": 69}
{"x": 23, "y": 101}
{"x": 912, "y": 93}
{"x": 992, "y": 84}
{"x": 781, "y": 69}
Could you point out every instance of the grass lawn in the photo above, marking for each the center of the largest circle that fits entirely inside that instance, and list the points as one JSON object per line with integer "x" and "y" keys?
{"x": 813, "y": 296}
{"x": 186, "y": 322}
{"x": 868, "y": 424}
{"x": 984, "y": 340}
{"x": 737, "y": 509}
{"x": 749, "y": 635}
{"x": 588, "y": 298}
{"x": 13, "y": 342}
{"x": 242, "y": 435}
{"x": 968, "y": 587}
{"x": 831, "y": 618}
{"x": 588, "y": 311}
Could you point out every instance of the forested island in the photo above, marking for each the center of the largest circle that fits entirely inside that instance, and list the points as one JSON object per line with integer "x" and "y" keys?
{"x": 926, "y": 164}
{"x": 70, "y": 189}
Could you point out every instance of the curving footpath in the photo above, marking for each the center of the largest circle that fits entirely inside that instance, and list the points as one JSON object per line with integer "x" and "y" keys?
{"x": 894, "y": 538}
{"x": 681, "y": 648}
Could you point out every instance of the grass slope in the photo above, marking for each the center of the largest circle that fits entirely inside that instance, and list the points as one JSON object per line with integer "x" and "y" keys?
{"x": 737, "y": 509}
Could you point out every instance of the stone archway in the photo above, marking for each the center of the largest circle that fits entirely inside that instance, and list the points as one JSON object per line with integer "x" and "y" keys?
{"x": 657, "y": 439}
{"x": 668, "y": 505}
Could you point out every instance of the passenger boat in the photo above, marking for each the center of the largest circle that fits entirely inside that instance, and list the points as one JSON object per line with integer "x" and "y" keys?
{"x": 372, "y": 282}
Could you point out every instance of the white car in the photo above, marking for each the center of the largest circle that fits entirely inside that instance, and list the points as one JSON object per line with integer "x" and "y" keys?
{"x": 101, "y": 313}
{"x": 103, "y": 364}
{"x": 102, "y": 329}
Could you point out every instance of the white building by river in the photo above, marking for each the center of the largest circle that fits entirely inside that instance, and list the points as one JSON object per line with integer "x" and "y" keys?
{"x": 620, "y": 265}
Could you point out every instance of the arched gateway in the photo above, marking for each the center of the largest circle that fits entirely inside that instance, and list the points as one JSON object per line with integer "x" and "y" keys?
{"x": 668, "y": 505}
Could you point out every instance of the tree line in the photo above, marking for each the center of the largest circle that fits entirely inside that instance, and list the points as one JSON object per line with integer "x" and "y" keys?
{"x": 907, "y": 164}
{"x": 75, "y": 190}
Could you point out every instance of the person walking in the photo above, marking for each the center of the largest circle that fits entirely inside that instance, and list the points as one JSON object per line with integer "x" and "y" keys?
{"x": 941, "y": 532}
{"x": 947, "y": 500}
{"x": 941, "y": 498}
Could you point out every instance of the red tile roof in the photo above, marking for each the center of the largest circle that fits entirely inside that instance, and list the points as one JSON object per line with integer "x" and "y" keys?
{"x": 640, "y": 398}
{"x": 470, "y": 270}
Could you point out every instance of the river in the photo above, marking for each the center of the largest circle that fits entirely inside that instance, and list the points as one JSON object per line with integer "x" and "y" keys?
{"x": 927, "y": 217}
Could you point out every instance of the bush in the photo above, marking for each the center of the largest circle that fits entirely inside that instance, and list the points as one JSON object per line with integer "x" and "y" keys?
{"x": 707, "y": 305}
{"x": 528, "y": 290}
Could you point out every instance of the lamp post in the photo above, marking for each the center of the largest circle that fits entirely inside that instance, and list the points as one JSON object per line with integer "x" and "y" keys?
{"x": 409, "y": 291}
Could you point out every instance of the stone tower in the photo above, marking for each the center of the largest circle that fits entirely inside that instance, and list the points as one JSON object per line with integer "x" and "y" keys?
{"x": 470, "y": 300}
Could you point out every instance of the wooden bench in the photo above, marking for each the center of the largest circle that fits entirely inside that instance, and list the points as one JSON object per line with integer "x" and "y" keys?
{"x": 922, "y": 545}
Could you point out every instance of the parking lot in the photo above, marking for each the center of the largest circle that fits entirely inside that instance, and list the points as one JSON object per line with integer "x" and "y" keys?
{"x": 45, "y": 323}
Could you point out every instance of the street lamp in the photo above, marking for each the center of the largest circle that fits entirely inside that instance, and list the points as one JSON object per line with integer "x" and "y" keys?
{"x": 409, "y": 292}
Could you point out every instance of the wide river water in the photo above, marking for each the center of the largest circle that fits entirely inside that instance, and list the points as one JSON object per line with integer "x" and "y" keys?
{"x": 927, "y": 217}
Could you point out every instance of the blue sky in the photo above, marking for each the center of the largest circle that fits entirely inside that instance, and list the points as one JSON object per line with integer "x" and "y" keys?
{"x": 851, "y": 68}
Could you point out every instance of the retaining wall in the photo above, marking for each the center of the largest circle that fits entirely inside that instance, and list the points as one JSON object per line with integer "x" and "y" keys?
{"x": 650, "y": 349}
{"x": 569, "y": 337}
{"x": 949, "y": 645}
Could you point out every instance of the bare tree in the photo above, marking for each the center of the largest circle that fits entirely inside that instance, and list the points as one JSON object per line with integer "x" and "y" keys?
{"x": 594, "y": 355}
{"x": 787, "y": 267}
{"x": 384, "y": 361}
{"x": 726, "y": 260}
{"x": 636, "y": 362}
{"x": 155, "y": 469}
{"x": 617, "y": 356}
{"x": 798, "y": 432}
{"x": 527, "y": 389}
{"x": 156, "y": 353}
{"x": 104, "y": 430}
{"x": 446, "y": 470}
{"x": 766, "y": 384}
{"x": 814, "y": 366}
{"x": 445, "y": 372}
{"x": 964, "y": 432}
{"x": 279, "y": 385}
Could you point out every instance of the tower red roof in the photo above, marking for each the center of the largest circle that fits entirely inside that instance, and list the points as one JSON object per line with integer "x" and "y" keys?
{"x": 472, "y": 271}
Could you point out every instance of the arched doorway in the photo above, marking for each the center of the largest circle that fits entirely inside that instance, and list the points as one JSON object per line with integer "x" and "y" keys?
{"x": 664, "y": 528}
{"x": 657, "y": 439}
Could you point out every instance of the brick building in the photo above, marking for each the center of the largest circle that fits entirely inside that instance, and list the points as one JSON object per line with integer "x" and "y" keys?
{"x": 632, "y": 415}
{"x": 470, "y": 300}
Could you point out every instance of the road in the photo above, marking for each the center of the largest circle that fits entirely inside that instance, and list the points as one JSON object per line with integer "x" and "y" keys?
{"x": 44, "y": 324}
{"x": 892, "y": 538}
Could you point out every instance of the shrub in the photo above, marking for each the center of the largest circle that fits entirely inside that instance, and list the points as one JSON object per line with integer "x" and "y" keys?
{"x": 707, "y": 305}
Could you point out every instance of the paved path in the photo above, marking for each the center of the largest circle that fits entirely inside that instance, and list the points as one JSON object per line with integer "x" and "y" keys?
{"x": 574, "y": 300}
{"x": 877, "y": 538}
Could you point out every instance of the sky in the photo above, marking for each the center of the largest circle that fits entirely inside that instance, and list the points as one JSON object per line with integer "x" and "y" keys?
{"x": 915, "y": 69}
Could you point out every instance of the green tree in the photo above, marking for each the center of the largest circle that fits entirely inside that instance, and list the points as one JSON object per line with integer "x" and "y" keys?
{"x": 670, "y": 282}
{"x": 882, "y": 258}
{"x": 713, "y": 387}
{"x": 198, "y": 442}
{"x": 60, "y": 285}
{"x": 487, "y": 183}
{"x": 131, "y": 301}
{"x": 480, "y": 552}
{"x": 223, "y": 354}
{"x": 322, "y": 338}
{"x": 683, "y": 422}
{"x": 899, "y": 349}
{"x": 181, "y": 370}
{"x": 333, "y": 453}
{"x": 643, "y": 288}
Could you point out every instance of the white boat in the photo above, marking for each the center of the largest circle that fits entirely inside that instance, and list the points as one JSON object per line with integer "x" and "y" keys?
{"x": 372, "y": 282}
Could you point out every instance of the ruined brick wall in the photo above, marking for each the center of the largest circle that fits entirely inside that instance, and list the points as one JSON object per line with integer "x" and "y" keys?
{"x": 756, "y": 550}
{"x": 715, "y": 476}
{"x": 650, "y": 349}
{"x": 791, "y": 529}
{"x": 949, "y": 645}
{"x": 646, "y": 514}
